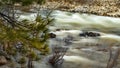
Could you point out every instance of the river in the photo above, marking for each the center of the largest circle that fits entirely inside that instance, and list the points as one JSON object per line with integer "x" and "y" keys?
{"x": 84, "y": 51}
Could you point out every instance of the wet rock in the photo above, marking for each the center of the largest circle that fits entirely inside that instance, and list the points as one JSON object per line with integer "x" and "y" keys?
{"x": 3, "y": 60}
{"x": 52, "y": 35}
{"x": 89, "y": 34}
{"x": 97, "y": 34}
{"x": 67, "y": 41}
{"x": 83, "y": 35}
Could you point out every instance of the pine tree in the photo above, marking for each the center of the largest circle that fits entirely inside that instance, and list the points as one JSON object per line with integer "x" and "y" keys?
{"x": 23, "y": 37}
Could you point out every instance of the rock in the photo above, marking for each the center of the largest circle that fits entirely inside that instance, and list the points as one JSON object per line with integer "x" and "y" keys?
{"x": 52, "y": 35}
{"x": 83, "y": 35}
{"x": 97, "y": 34}
{"x": 89, "y": 34}
{"x": 68, "y": 40}
{"x": 92, "y": 34}
{"x": 3, "y": 60}
{"x": 58, "y": 29}
{"x": 97, "y": 7}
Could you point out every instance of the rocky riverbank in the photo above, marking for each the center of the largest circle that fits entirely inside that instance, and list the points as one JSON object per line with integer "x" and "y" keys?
{"x": 102, "y": 7}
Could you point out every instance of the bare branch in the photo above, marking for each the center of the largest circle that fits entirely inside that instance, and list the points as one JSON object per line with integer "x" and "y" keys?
{"x": 57, "y": 57}
{"x": 113, "y": 58}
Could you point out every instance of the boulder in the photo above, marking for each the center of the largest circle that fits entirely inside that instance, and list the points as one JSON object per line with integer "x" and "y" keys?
{"x": 3, "y": 60}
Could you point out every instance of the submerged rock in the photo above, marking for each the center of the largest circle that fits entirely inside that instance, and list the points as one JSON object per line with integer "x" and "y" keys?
{"x": 68, "y": 40}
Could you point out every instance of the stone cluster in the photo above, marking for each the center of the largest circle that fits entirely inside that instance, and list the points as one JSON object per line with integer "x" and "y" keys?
{"x": 98, "y": 7}
{"x": 89, "y": 34}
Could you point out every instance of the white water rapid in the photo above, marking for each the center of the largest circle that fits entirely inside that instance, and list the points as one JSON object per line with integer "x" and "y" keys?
{"x": 83, "y": 52}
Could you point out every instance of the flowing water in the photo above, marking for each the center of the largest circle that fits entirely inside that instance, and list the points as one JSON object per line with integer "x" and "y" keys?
{"x": 84, "y": 51}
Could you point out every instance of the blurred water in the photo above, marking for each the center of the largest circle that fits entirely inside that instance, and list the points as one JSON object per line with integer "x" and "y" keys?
{"x": 66, "y": 20}
{"x": 82, "y": 22}
{"x": 72, "y": 24}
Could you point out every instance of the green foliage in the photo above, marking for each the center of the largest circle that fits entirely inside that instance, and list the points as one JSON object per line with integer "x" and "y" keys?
{"x": 22, "y": 60}
{"x": 32, "y": 55}
{"x": 25, "y": 36}
{"x": 11, "y": 51}
{"x": 38, "y": 19}
{"x": 29, "y": 35}
{"x": 37, "y": 58}
{"x": 40, "y": 1}
{"x": 27, "y": 2}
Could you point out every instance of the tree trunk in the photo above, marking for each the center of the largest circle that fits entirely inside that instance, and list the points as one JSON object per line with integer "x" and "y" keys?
{"x": 30, "y": 65}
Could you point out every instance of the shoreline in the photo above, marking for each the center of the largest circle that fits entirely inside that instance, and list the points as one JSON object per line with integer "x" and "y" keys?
{"x": 104, "y": 10}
